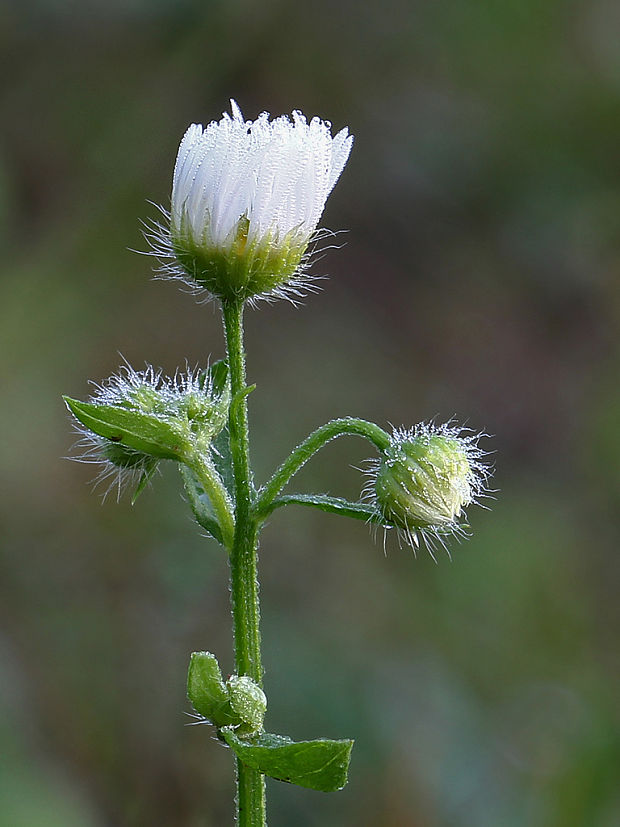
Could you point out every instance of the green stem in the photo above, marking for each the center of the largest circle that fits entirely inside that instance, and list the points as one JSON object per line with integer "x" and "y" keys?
{"x": 331, "y": 505}
{"x": 251, "y": 806}
{"x": 313, "y": 443}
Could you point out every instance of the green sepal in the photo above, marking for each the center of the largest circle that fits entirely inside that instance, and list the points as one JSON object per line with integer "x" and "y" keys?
{"x": 141, "y": 432}
{"x": 150, "y": 466}
{"x": 318, "y": 765}
{"x": 200, "y": 504}
{"x": 207, "y": 691}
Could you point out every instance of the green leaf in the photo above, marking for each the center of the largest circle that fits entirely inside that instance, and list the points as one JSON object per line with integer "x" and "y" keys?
{"x": 319, "y": 765}
{"x": 333, "y": 505}
{"x": 207, "y": 692}
{"x": 141, "y": 432}
{"x": 200, "y": 504}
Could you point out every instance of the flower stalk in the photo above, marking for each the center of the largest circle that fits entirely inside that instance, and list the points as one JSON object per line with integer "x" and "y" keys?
{"x": 251, "y": 803}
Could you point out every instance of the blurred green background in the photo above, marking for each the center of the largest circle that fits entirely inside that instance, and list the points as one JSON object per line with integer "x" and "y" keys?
{"x": 479, "y": 280}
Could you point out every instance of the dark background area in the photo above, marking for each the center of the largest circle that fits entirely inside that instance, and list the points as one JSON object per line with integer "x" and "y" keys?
{"x": 479, "y": 279}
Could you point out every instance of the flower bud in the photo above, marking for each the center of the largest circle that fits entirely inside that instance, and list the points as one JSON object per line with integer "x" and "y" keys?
{"x": 248, "y": 701}
{"x": 239, "y": 703}
{"x": 138, "y": 418}
{"x": 426, "y": 478}
{"x": 246, "y": 201}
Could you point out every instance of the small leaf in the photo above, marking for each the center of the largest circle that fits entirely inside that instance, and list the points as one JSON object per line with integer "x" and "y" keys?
{"x": 319, "y": 765}
{"x": 139, "y": 431}
{"x": 207, "y": 692}
{"x": 200, "y": 505}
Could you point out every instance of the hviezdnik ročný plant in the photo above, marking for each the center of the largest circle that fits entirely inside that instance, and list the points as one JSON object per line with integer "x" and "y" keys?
{"x": 247, "y": 197}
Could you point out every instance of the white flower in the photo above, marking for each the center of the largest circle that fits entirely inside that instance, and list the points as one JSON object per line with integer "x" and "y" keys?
{"x": 247, "y": 197}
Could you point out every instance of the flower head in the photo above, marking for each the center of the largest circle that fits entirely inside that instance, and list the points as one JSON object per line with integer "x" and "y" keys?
{"x": 426, "y": 478}
{"x": 247, "y": 197}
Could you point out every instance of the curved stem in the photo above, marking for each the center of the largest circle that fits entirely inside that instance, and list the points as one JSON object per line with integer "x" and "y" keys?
{"x": 313, "y": 443}
{"x": 251, "y": 806}
{"x": 331, "y": 505}
{"x": 220, "y": 499}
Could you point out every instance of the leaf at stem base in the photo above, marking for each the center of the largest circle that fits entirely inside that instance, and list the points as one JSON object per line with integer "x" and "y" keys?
{"x": 318, "y": 765}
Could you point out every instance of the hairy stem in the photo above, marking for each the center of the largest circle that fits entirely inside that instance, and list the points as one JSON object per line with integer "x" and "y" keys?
{"x": 331, "y": 505}
{"x": 317, "y": 439}
{"x": 251, "y": 806}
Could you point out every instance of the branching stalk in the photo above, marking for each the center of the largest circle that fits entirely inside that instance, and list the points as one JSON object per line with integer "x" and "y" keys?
{"x": 313, "y": 443}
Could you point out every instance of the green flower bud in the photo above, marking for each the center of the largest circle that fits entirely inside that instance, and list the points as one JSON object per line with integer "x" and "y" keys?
{"x": 138, "y": 418}
{"x": 239, "y": 703}
{"x": 248, "y": 701}
{"x": 426, "y": 478}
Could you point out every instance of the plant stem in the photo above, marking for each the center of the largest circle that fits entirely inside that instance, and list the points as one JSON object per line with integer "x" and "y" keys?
{"x": 317, "y": 439}
{"x": 333, "y": 505}
{"x": 251, "y": 806}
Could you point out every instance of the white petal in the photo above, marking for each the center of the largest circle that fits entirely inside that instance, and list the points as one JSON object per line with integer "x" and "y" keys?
{"x": 278, "y": 173}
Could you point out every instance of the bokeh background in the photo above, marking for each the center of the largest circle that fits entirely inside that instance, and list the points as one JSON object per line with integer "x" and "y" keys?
{"x": 479, "y": 279}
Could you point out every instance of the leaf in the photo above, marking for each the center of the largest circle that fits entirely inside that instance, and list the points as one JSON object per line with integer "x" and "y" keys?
{"x": 141, "y": 432}
{"x": 207, "y": 692}
{"x": 200, "y": 504}
{"x": 318, "y": 765}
